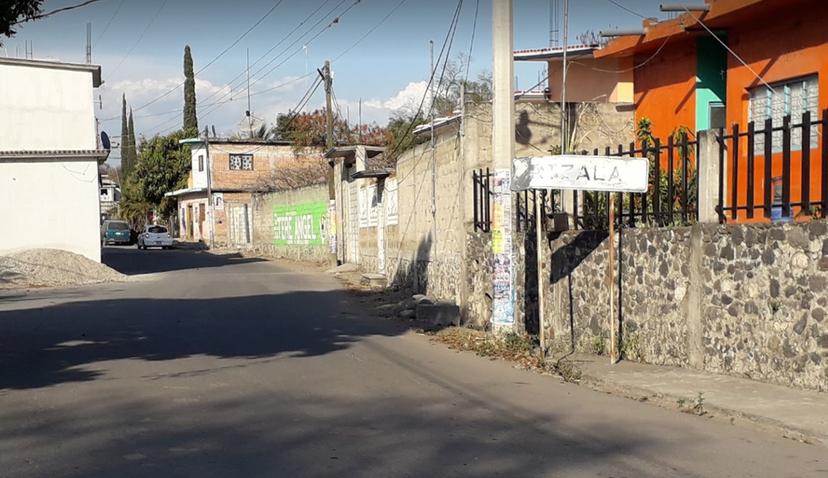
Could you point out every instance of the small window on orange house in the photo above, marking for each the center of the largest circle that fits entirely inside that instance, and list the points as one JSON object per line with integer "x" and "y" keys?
{"x": 788, "y": 98}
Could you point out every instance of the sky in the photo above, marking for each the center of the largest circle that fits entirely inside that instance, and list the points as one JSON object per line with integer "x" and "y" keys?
{"x": 140, "y": 46}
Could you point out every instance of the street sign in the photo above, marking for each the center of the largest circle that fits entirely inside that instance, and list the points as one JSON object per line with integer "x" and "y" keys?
{"x": 587, "y": 173}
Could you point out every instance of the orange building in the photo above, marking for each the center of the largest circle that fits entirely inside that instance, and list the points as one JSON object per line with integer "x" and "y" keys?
{"x": 684, "y": 76}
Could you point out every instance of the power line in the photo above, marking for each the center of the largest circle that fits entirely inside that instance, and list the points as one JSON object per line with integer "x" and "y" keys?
{"x": 236, "y": 42}
{"x": 108, "y": 23}
{"x": 471, "y": 43}
{"x": 235, "y": 89}
{"x": 140, "y": 37}
{"x": 449, "y": 34}
{"x": 282, "y": 40}
{"x": 363, "y": 37}
{"x": 59, "y": 10}
{"x": 622, "y": 7}
{"x": 319, "y": 33}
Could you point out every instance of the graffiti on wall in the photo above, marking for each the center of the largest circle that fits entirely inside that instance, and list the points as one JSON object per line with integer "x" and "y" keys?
{"x": 300, "y": 224}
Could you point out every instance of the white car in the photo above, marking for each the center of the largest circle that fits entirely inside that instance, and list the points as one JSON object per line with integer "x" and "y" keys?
{"x": 155, "y": 236}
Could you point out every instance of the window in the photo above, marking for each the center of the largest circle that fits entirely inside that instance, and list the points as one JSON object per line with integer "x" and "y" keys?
{"x": 201, "y": 162}
{"x": 717, "y": 115}
{"x": 787, "y": 98}
{"x": 241, "y": 162}
{"x": 105, "y": 192}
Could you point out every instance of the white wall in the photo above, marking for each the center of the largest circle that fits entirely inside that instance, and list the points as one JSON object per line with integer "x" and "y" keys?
{"x": 199, "y": 177}
{"x": 50, "y": 205}
{"x": 45, "y": 108}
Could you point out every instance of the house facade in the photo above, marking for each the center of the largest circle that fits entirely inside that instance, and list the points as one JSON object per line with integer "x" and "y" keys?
{"x": 588, "y": 79}
{"x": 686, "y": 79}
{"x": 110, "y": 196}
{"x": 231, "y": 170}
{"x": 49, "y": 157}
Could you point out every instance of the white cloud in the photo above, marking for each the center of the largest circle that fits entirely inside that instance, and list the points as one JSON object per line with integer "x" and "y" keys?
{"x": 407, "y": 98}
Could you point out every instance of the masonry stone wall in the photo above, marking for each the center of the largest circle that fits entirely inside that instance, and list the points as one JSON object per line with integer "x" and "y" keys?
{"x": 747, "y": 300}
{"x": 264, "y": 237}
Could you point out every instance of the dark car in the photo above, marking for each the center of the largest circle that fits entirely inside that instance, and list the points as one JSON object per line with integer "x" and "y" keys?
{"x": 116, "y": 232}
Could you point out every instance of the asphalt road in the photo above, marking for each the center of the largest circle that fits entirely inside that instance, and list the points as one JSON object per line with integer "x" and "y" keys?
{"x": 218, "y": 366}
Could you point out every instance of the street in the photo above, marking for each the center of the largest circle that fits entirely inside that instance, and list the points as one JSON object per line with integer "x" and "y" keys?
{"x": 205, "y": 365}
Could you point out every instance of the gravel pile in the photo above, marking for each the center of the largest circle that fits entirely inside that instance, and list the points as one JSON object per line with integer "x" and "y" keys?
{"x": 52, "y": 268}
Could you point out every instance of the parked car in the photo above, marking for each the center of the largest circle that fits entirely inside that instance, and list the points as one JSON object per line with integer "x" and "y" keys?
{"x": 116, "y": 232}
{"x": 155, "y": 236}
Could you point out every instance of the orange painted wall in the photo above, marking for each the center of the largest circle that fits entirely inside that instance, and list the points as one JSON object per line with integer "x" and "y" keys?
{"x": 665, "y": 88}
{"x": 778, "y": 47}
{"x": 588, "y": 80}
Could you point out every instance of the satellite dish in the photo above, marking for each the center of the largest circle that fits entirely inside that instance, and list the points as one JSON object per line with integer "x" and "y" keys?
{"x": 105, "y": 141}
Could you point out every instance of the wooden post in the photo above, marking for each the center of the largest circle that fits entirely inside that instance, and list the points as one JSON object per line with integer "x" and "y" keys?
{"x": 538, "y": 251}
{"x": 611, "y": 274}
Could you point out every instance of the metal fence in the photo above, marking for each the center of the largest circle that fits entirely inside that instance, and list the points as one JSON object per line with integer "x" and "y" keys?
{"x": 769, "y": 183}
{"x": 481, "y": 185}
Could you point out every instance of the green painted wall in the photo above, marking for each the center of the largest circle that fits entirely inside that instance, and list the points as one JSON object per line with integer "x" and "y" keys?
{"x": 300, "y": 224}
{"x": 711, "y": 78}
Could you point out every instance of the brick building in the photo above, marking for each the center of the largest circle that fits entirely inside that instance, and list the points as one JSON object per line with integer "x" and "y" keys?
{"x": 232, "y": 170}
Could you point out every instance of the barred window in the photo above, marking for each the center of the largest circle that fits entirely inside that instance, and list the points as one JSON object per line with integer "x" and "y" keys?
{"x": 789, "y": 98}
{"x": 241, "y": 162}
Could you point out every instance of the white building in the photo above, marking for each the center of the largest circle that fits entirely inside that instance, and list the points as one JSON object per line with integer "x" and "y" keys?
{"x": 49, "y": 157}
{"x": 110, "y": 196}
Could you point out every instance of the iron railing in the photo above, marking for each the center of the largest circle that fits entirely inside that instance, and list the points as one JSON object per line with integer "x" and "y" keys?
{"x": 768, "y": 157}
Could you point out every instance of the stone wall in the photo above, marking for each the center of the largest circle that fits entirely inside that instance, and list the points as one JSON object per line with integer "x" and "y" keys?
{"x": 264, "y": 235}
{"x": 746, "y": 300}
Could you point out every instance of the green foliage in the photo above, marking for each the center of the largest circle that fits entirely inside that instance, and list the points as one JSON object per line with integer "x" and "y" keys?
{"x": 132, "y": 152}
{"x": 163, "y": 166}
{"x": 190, "y": 117}
{"x": 125, "y": 157}
{"x": 13, "y": 11}
{"x": 401, "y": 137}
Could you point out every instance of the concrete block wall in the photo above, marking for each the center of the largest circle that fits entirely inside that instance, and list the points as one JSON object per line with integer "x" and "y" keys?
{"x": 747, "y": 300}
{"x": 263, "y": 226}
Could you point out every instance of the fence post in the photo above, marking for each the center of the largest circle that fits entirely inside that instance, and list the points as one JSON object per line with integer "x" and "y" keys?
{"x": 708, "y": 182}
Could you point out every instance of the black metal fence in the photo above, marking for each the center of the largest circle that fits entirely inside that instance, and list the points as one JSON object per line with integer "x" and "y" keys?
{"x": 481, "y": 185}
{"x": 778, "y": 178}
{"x": 672, "y": 197}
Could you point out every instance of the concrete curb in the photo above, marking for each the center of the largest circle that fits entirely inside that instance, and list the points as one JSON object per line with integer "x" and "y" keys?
{"x": 669, "y": 401}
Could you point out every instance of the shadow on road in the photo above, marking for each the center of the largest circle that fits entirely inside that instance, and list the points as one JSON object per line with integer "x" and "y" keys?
{"x": 61, "y": 343}
{"x": 131, "y": 261}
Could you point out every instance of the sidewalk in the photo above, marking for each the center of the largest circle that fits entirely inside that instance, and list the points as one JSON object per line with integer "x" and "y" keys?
{"x": 795, "y": 413}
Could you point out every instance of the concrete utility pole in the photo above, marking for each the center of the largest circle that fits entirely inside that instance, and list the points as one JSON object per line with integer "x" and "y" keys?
{"x": 564, "y": 118}
{"x": 503, "y": 152}
{"x": 329, "y": 144}
{"x": 329, "y": 137}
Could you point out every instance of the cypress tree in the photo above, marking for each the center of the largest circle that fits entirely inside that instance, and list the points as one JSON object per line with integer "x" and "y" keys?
{"x": 190, "y": 119}
{"x": 124, "y": 140}
{"x": 133, "y": 154}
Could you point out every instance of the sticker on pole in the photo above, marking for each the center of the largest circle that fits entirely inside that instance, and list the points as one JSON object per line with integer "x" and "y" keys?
{"x": 587, "y": 173}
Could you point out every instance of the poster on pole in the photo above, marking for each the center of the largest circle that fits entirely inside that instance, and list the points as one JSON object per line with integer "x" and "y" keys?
{"x": 503, "y": 310}
{"x": 587, "y": 173}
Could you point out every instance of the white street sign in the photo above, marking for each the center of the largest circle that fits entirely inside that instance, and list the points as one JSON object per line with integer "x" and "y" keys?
{"x": 587, "y": 173}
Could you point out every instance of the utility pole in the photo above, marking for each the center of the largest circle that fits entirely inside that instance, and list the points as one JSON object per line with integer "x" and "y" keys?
{"x": 503, "y": 147}
{"x": 433, "y": 147}
{"x": 329, "y": 144}
{"x": 249, "y": 114}
{"x": 329, "y": 140}
{"x": 210, "y": 202}
{"x": 564, "y": 122}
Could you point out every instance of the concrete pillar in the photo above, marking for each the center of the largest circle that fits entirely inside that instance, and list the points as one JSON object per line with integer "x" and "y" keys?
{"x": 360, "y": 157}
{"x": 503, "y": 152}
{"x": 708, "y": 169}
{"x": 693, "y": 303}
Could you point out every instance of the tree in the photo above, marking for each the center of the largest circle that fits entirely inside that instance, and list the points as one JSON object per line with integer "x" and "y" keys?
{"x": 16, "y": 11}
{"x": 162, "y": 166}
{"x": 190, "y": 118}
{"x": 131, "y": 153}
{"x": 125, "y": 156}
